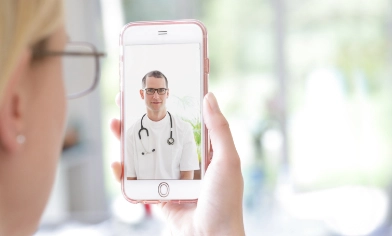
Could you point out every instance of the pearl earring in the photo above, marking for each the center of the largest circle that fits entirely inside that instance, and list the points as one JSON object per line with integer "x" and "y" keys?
{"x": 20, "y": 139}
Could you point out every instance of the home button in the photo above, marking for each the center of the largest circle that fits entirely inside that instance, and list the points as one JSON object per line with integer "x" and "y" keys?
{"x": 163, "y": 189}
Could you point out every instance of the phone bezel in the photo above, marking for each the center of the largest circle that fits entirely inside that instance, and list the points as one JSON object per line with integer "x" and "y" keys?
{"x": 142, "y": 33}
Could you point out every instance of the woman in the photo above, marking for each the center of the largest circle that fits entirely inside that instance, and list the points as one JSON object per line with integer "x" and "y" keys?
{"x": 32, "y": 120}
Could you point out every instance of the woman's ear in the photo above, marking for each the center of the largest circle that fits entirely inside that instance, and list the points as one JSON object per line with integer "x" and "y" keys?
{"x": 11, "y": 109}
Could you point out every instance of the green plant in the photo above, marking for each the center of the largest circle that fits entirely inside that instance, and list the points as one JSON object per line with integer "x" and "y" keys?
{"x": 187, "y": 106}
{"x": 196, "y": 126}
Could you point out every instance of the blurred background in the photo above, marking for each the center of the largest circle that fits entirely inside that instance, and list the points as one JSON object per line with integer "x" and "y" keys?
{"x": 306, "y": 86}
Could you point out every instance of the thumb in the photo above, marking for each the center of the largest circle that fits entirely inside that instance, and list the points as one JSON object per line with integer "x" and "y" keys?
{"x": 219, "y": 131}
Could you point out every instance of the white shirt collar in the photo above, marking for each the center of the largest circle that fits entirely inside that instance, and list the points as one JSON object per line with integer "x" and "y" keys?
{"x": 158, "y": 124}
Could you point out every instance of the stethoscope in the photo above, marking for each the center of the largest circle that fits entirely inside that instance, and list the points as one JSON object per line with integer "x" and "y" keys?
{"x": 170, "y": 140}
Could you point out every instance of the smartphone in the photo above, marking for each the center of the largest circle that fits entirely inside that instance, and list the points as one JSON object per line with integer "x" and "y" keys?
{"x": 164, "y": 70}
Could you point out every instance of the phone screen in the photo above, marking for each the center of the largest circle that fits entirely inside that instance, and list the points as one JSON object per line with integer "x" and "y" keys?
{"x": 162, "y": 111}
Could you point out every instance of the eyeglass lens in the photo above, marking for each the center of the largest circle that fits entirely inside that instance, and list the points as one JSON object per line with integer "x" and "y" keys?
{"x": 160, "y": 91}
{"x": 79, "y": 71}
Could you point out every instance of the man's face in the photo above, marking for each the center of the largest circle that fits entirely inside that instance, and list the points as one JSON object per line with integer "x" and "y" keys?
{"x": 155, "y": 102}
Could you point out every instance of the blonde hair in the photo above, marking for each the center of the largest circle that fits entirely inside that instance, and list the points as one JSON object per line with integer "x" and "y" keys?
{"x": 23, "y": 24}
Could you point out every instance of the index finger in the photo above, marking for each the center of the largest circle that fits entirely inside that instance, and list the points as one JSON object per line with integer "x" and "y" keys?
{"x": 115, "y": 126}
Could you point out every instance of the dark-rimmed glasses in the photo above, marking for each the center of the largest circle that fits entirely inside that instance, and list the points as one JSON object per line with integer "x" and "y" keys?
{"x": 151, "y": 91}
{"x": 80, "y": 67}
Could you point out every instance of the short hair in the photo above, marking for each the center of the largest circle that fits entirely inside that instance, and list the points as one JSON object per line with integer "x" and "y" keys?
{"x": 155, "y": 74}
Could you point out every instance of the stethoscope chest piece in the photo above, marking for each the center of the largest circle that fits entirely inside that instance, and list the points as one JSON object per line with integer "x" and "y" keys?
{"x": 170, "y": 141}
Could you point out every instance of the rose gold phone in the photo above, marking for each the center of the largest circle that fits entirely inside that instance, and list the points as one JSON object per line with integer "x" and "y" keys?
{"x": 164, "y": 72}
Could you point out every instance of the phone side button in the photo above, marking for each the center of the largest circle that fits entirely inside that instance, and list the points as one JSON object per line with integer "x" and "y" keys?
{"x": 163, "y": 189}
{"x": 207, "y": 65}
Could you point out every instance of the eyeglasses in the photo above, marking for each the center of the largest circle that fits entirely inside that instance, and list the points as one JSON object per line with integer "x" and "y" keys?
{"x": 80, "y": 67}
{"x": 151, "y": 91}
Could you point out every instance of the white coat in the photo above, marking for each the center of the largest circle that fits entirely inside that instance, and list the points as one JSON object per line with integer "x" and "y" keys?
{"x": 166, "y": 161}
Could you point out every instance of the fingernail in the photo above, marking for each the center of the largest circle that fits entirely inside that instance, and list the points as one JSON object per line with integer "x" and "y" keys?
{"x": 212, "y": 102}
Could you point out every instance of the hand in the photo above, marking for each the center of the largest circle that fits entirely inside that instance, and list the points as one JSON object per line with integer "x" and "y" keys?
{"x": 219, "y": 208}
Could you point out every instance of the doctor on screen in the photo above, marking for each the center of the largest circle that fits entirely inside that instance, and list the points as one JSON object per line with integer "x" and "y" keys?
{"x": 159, "y": 145}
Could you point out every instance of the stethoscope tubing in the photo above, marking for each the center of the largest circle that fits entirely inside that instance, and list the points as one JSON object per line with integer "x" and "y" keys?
{"x": 170, "y": 140}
